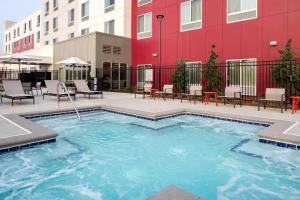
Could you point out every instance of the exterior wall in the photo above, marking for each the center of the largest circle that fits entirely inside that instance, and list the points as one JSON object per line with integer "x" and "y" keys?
{"x": 277, "y": 21}
{"x": 12, "y": 27}
{"x": 95, "y": 22}
{"x": 90, "y": 49}
{"x": 97, "y": 17}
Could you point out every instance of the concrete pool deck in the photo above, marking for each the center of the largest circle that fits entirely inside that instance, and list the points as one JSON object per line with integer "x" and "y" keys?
{"x": 284, "y": 127}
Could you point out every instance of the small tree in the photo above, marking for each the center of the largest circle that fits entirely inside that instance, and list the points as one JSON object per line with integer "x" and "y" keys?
{"x": 179, "y": 78}
{"x": 212, "y": 77}
{"x": 286, "y": 73}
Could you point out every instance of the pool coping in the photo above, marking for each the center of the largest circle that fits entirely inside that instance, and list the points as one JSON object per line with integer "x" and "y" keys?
{"x": 271, "y": 134}
{"x": 36, "y": 135}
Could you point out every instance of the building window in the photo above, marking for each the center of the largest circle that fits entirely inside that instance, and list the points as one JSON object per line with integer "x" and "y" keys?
{"x": 55, "y": 40}
{"x": 55, "y": 24}
{"x": 237, "y": 70}
{"x": 46, "y": 43}
{"x": 46, "y": 8}
{"x": 25, "y": 27}
{"x": 18, "y": 31}
{"x": 46, "y": 27}
{"x": 85, "y": 11}
{"x": 55, "y": 5}
{"x": 143, "y": 2}
{"x": 71, "y": 17}
{"x": 9, "y": 37}
{"x": 106, "y": 49}
{"x": 109, "y": 27}
{"x": 71, "y": 35}
{"x": 190, "y": 15}
{"x": 145, "y": 26}
{"x": 109, "y": 5}
{"x": 38, "y": 36}
{"x": 29, "y": 39}
{"x": 117, "y": 50}
{"x": 85, "y": 31}
{"x": 240, "y": 10}
{"x": 38, "y": 20}
{"x": 144, "y": 75}
{"x": 24, "y": 41}
{"x": 30, "y": 25}
{"x": 15, "y": 33}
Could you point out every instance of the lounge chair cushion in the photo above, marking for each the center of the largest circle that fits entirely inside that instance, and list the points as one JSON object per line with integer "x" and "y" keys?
{"x": 12, "y": 88}
{"x": 232, "y": 92}
{"x": 275, "y": 94}
{"x": 168, "y": 89}
{"x": 196, "y": 90}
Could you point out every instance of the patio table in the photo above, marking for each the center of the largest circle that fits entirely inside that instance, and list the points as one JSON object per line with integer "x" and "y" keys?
{"x": 208, "y": 94}
{"x": 295, "y": 100}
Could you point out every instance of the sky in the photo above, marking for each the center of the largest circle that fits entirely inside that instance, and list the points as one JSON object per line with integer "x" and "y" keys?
{"x": 15, "y": 10}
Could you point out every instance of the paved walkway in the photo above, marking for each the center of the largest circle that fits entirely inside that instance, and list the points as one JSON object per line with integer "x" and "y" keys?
{"x": 127, "y": 102}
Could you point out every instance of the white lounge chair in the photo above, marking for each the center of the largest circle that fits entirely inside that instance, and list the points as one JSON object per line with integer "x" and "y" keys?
{"x": 146, "y": 90}
{"x": 13, "y": 90}
{"x": 232, "y": 93}
{"x": 167, "y": 90}
{"x": 195, "y": 91}
{"x": 53, "y": 91}
{"x": 82, "y": 88}
{"x": 274, "y": 95}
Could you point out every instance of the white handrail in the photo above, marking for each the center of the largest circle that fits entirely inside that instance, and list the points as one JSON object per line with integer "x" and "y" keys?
{"x": 65, "y": 88}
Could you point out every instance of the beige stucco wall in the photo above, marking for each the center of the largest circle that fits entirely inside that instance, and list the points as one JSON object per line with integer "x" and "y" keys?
{"x": 90, "y": 49}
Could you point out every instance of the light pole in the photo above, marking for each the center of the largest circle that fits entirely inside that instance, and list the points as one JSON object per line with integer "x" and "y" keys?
{"x": 159, "y": 19}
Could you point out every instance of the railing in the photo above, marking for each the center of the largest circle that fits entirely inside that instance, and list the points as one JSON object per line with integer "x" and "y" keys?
{"x": 32, "y": 76}
{"x": 65, "y": 88}
{"x": 251, "y": 76}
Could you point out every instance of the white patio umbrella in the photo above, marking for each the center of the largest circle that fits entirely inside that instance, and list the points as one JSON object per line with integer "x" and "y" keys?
{"x": 73, "y": 61}
{"x": 18, "y": 57}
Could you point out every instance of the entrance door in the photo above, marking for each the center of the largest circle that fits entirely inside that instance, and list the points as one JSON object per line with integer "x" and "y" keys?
{"x": 242, "y": 73}
{"x": 115, "y": 76}
{"x": 144, "y": 75}
{"x": 106, "y": 76}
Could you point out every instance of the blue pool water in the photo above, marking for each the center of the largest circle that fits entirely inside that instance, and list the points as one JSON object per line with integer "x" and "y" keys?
{"x": 110, "y": 156}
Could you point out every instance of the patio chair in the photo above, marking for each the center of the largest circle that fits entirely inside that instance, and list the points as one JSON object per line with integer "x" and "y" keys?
{"x": 82, "y": 88}
{"x": 13, "y": 90}
{"x": 37, "y": 87}
{"x": 147, "y": 89}
{"x": 195, "y": 91}
{"x": 274, "y": 95}
{"x": 52, "y": 90}
{"x": 167, "y": 90}
{"x": 27, "y": 87}
{"x": 232, "y": 93}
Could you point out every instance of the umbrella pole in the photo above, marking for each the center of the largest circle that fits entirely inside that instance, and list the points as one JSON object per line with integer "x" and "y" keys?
{"x": 19, "y": 69}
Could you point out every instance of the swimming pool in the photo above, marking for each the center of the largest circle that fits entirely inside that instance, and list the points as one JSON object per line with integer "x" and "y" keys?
{"x": 113, "y": 156}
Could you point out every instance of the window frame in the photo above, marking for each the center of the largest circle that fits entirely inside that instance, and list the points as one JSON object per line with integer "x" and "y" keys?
{"x": 191, "y": 22}
{"x": 139, "y": 5}
{"x": 108, "y": 22}
{"x": 55, "y": 22}
{"x": 107, "y": 7}
{"x": 240, "y": 12}
{"x": 145, "y": 67}
{"x": 240, "y": 61}
{"x": 86, "y": 4}
{"x": 144, "y": 32}
{"x": 70, "y": 16}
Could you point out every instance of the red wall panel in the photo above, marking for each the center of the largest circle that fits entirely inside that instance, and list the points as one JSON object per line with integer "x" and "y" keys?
{"x": 24, "y": 47}
{"x": 277, "y": 21}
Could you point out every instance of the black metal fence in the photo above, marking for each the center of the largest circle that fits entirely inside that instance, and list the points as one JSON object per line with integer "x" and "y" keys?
{"x": 32, "y": 76}
{"x": 251, "y": 76}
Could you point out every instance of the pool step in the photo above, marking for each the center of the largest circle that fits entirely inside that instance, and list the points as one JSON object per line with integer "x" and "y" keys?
{"x": 174, "y": 193}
